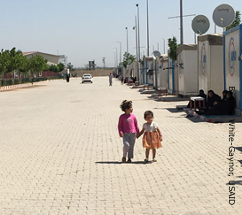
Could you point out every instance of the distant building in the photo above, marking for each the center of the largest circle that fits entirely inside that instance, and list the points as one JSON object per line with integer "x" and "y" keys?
{"x": 52, "y": 59}
{"x": 91, "y": 65}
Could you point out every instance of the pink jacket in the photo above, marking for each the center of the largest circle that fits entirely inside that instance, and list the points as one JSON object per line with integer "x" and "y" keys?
{"x": 128, "y": 124}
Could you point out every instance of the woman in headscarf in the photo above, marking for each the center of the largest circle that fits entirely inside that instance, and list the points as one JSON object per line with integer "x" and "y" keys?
{"x": 224, "y": 107}
{"x": 229, "y": 105}
{"x": 213, "y": 100}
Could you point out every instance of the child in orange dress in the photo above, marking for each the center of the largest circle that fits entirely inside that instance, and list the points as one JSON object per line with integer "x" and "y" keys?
{"x": 152, "y": 135}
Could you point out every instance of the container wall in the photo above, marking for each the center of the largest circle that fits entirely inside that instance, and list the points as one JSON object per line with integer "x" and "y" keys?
{"x": 188, "y": 76}
{"x": 204, "y": 66}
{"x": 181, "y": 72}
{"x": 216, "y": 74}
{"x": 232, "y": 69}
{"x": 171, "y": 75}
{"x": 163, "y": 75}
{"x": 150, "y": 75}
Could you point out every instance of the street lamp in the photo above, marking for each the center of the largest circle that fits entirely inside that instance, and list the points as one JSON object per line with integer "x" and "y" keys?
{"x": 136, "y": 40}
{"x": 181, "y": 22}
{"x": 138, "y": 37}
{"x": 164, "y": 45}
{"x": 120, "y": 49}
{"x": 116, "y": 56}
{"x": 127, "y": 40}
{"x": 147, "y": 30}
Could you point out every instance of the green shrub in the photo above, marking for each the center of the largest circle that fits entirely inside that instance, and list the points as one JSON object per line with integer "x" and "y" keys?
{"x": 17, "y": 81}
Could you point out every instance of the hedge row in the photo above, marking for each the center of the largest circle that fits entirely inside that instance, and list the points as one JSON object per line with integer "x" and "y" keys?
{"x": 8, "y": 82}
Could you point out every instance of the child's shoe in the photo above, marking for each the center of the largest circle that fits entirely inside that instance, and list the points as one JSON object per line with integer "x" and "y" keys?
{"x": 146, "y": 160}
{"x": 123, "y": 160}
{"x": 154, "y": 160}
{"x": 129, "y": 160}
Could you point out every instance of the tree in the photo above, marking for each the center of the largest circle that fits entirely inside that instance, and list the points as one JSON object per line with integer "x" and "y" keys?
{"x": 61, "y": 67}
{"x": 70, "y": 66}
{"x": 37, "y": 64}
{"x": 53, "y": 68}
{"x": 172, "y": 43}
{"x": 17, "y": 61}
{"x": 4, "y": 61}
{"x": 128, "y": 59}
{"x": 236, "y": 21}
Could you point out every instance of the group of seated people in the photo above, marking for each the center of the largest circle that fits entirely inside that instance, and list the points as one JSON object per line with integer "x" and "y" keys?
{"x": 214, "y": 105}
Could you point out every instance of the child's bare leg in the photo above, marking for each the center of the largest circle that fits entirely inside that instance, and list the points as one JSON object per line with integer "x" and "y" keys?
{"x": 154, "y": 153}
{"x": 147, "y": 152}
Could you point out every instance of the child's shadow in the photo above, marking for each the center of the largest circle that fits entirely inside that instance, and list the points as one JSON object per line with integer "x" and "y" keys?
{"x": 119, "y": 162}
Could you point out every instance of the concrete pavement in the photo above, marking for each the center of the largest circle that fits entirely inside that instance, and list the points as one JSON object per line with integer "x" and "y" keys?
{"x": 61, "y": 154}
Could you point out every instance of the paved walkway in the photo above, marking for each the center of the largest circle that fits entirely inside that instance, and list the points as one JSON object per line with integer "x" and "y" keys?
{"x": 60, "y": 153}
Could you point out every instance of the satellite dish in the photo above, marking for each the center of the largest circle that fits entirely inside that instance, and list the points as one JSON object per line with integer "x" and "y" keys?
{"x": 223, "y": 15}
{"x": 155, "y": 54}
{"x": 200, "y": 24}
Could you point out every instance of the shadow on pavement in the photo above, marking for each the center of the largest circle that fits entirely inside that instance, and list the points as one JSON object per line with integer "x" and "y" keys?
{"x": 119, "y": 162}
{"x": 235, "y": 183}
{"x": 240, "y": 149}
{"x": 174, "y": 110}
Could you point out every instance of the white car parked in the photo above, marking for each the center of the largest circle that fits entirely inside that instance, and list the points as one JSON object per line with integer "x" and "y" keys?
{"x": 87, "y": 78}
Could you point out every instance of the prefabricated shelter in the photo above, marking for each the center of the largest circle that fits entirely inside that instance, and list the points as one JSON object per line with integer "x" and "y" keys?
{"x": 128, "y": 71}
{"x": 210, "y": 63}
{"x": 172, "y": 77}
{"x": 187, "y": 69}
{"x": 232, "y": 53}
{"x": 136, "y": 70}
{"x": 147, "y": 71}
{"x": 161, "y": 71}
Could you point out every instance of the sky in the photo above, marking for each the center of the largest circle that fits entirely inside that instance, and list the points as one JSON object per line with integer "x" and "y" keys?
{"x": 94, "y": 29}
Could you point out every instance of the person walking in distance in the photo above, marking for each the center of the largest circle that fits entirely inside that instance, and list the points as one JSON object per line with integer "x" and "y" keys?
{"x": 110, "y": 79}
{"x": 152, "y": 135}
{"x": 128, "y": 129}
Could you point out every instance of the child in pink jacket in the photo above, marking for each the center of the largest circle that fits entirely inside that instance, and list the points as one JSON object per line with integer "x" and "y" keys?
{"x": 128, "y": 129}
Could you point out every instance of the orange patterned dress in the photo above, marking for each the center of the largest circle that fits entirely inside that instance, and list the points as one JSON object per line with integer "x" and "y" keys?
{"x": 151, "y": 139}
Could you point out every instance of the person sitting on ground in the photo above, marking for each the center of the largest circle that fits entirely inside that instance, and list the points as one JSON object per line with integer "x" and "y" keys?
{"x": 201, "y": 94}
{"x": 224, "y": 95}
{"x": 229, "y": 105}
{"x": 130, "y": 80}
{"x": 224, "y": 107}
{"x": 213, "y": 99}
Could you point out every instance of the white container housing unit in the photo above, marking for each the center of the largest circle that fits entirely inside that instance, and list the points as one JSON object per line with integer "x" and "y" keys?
{"x": 187, "y": 70}
{"x": 147, "y": 71}
{"x": 233, "y": 64}
{"x": 210, "y": 63}
{"x": 161, "y": 71}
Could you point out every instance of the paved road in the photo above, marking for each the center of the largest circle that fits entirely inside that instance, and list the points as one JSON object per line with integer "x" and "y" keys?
{"x": 61, "y": 154}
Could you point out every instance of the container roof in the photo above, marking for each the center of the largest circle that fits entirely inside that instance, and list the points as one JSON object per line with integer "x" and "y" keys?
{"x": 37, "y": 52}
{"x": 186, "y": 47}
{"x": 213, "y": 39}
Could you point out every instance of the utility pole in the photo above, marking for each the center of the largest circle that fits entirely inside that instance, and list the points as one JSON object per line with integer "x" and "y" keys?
{"x": 127, "y": 40}
{"x": 147, "y": 30}
{"x": 138, "y": 37}
{"x": 103, "y": 62}
{"x": 181, "y": 21}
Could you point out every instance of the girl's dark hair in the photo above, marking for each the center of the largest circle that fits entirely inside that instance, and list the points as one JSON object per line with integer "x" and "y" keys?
{"x": 148, "y": 113}
{"x": 125, "y": 105}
